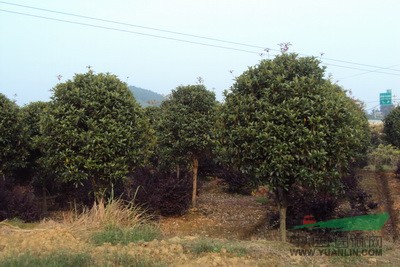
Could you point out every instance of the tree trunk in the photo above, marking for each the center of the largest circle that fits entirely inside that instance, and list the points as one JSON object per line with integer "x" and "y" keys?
{"x": 194, "y": 193}
{"x": 282, "y": 205}
{"x": 177, "y": 171}
{"x": 44, "y": 203}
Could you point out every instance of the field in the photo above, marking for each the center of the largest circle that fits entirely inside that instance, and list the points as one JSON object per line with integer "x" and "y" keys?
{"x": 225, "y": 230}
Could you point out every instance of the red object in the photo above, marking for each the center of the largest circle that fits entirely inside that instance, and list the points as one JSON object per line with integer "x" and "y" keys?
{"x": 309, "y": 219}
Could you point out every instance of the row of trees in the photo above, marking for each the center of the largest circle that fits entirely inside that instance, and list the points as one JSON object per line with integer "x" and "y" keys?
{"x": 282, "y": 124}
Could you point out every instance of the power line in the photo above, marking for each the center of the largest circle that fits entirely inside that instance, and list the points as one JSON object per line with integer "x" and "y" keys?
{"x": 193, "y": 36}
{"x": 175, "y": 39}
{"x": 354, "y": 68}
{"x": 368, "y": 72}
{"x": 372, "y": 108}
{"x": 139, "y": 26}
{"x": 359, "y": 64}
{"x": 128, "y": 31}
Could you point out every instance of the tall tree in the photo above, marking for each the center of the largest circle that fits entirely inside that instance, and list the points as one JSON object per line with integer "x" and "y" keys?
{"x": 13, "y": 152}
{"x": 94, "y": 131}
{"x": 31, "y": 115}
{"x": 285, "y": 124}
{"x": 391, "y": 127}
{"x": 185, "y": 127}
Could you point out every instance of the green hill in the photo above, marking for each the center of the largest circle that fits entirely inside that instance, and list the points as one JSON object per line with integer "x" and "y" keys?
{"x": 146, "y": 97}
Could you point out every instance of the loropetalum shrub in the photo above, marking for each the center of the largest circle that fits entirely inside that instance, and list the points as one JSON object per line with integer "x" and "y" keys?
{"x": 308, "y": 202}
{"x": 18, "y": 202}
{"x": 161, "y": 192}
{"x": 237, "y": 182}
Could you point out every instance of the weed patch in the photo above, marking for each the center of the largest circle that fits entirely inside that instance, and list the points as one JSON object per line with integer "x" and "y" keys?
{"x": 118, "y": 235}
{"x": 116, "y": 213}
{"x": 207, "y": 246}
{"x": 57, "y": 259}
{"x": 262, "y": 200}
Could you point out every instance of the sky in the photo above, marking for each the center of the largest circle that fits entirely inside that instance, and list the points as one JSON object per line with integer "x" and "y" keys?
{"x": 358, "y": 41}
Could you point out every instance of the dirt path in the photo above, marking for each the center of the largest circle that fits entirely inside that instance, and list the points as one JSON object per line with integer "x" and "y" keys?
{"x": 221, "y": 215}
{"x": 389, "y": 188}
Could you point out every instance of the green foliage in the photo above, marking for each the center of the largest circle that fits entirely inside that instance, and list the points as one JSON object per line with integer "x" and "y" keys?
{"x": 186, "y": 123}
{"x": 391, "y": 127}
{"x": 384, "y": 155}
{"x": 116, "y": 235}
{"x": 94, "y": 131}
{"x": 31, "y": 115}
{"x": 377, "y": 136}
{"x": 153, "y": 113}
{"x": 263, "y": 200}
{"x": 209, "y": 246}
{"x": 206, "y": 246}
{"x": 55, "y": 259}
{"x": 13, "y": 152}
{"x": 284, "y": 123}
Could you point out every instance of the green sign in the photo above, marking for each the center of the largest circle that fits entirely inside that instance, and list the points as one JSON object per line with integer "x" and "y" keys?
{"x": 385, "y": 99}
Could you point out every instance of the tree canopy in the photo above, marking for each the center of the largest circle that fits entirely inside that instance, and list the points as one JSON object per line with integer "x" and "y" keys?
{"x": 94, "y": 131}
{"x": 13, "y": 151}
{"x": 391, "y": 127}
{"x": 31, "y": 115}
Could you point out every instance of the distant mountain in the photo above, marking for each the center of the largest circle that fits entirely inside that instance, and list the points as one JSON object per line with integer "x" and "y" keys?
{"x": 146, "y": 97}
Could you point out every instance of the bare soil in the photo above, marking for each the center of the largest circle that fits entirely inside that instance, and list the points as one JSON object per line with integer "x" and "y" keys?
{"x": 222, "y": 215}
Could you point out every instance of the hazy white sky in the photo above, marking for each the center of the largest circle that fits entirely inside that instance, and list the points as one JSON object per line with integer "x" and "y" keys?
{"x": 33, "y": 51}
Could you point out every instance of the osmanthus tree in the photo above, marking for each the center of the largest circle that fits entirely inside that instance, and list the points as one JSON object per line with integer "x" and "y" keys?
{"x": 94, "y": 130}
{"x": 31, "y": 115}
{"x": 13, "y": 152}
{"x": 185, "y": 126}
{"x": 391, "y": 127}
{"x": 286, "y": 125}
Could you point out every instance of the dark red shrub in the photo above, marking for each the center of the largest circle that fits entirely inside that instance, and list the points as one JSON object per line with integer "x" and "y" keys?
{"x": 18, "y": 202}
{"x": 237, "y": 182}
{"x": 160, "y": 192}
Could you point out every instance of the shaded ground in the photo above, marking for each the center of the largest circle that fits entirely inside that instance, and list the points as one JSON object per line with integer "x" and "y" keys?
{"x": 222, "y": 215}
{"x": 385, "y": 190}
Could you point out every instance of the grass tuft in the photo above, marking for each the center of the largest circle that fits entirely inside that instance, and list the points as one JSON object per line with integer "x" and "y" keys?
{"x": 209, "y": 246}
{"x": 205, "y": 246}
{"x": 57, "y": 259}
{"x": 118, "y": 235}
{"x": 263, "y": 200}
{"x": 115, "y": 213}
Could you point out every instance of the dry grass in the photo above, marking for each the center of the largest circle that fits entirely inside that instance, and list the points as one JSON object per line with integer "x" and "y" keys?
{"x": 116, "y": 213}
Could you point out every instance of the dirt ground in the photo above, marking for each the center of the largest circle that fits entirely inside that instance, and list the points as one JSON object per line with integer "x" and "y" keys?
{"x": 222, "y": 215}
{"x": 235, "y": 221}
